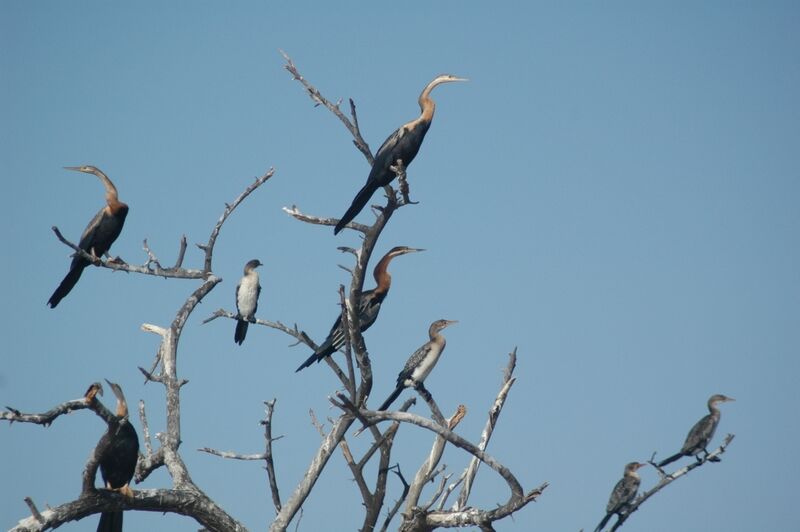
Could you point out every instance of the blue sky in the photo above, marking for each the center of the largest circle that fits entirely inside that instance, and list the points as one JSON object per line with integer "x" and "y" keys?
{"x": 615, "y": 192}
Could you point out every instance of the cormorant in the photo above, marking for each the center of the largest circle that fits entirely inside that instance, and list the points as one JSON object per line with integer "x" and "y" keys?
{"x": 623, "y": 494}
{"x": 403, "y": 144}
{"x": 698, "y": 438}
{"x": 368, "y": 307}
{"x": 421, "y": 362}
{"x": 117, "y": 452}
{"x": 247, "y": 292}
{"x": 98, "y": 236}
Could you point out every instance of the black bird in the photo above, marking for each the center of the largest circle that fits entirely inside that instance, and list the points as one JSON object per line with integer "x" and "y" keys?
{"x": 117, "y": 452}
{"x": 98, "y": 236}
{"x": 368, "y": 307}
{"x": 421, "y": 362}
{"x": 699, "y": 437}
{"x": 403, "y": 144}
{"x": 247, "y": 292}
{"x": 623, "y": 494}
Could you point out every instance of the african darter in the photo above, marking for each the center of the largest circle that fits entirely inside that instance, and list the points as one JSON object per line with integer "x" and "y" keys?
{"x": 117, "y": 451}
{"x": 403, "y": 144}
{"x": 623, "y": 494}
{"x": 98, "y": 236}
{"x": 421, "y": 362}
{"x": 247, "y": 292}
{"x": 699, "y": 437}
{"x": 368, "y": 307}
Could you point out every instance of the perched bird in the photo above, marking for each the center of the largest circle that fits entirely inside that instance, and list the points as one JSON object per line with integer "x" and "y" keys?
{"x": 98, "y": 236}
{"x": 368, "y": 307}
{"x": 623, "y": 494}
{"x": 247, "y": 292}
{"x": 421, "y": 362}
{"x": 698, "y": 438}
{"x": 117, "y": 452}
{"x": 403, "y": 144}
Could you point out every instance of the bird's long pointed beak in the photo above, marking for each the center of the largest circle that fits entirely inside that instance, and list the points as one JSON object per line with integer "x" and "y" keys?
{"x": 451, "y": 322}
{"x": 413, "y": 250}
{"x": 460, "y": 79}
{"x": 73, "y": 168}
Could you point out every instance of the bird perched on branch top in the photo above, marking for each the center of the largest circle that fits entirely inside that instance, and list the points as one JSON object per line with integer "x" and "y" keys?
{"x": 98, "y": 236}
{"x": 247, "y": 292}
{"x": 623, "y": 494}
{"x": 117, "y": 451}
{"x": 368, "y": 307}
{"x": 421, "y": 362}
{"x": 700, "y": 435}
{"x": 401, "y": 145}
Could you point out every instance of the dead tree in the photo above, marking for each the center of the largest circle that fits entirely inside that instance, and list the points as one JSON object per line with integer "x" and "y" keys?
{"x": 417, "y": 511}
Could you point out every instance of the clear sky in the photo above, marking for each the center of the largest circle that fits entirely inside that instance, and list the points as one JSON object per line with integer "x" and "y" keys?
{"x": 615, "y": 192}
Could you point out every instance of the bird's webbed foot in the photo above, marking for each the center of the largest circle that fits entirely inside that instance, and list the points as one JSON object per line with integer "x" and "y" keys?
{"x": 126, "y": 491}
{"x": 116, "y": 260}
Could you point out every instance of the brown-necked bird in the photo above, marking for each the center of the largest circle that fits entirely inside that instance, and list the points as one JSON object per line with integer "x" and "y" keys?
{"x": 117, "y": 452}
{"x": 700, "y": 435}
{"x": 403, "y": 144}
{"x": 98, "y": 236}
{"x": 623, "y": 494}
{"x": 247, "y": 292}
{"x": 421, "y": 362}
{"x": 368, "y": 307}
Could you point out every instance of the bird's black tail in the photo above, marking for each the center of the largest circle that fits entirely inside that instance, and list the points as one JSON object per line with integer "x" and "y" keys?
{"x": 359, "y": 201}
{"x": 325, "y": 350}
{"x": 389, "y": 400}
{"x": 241, "y": 331}
{"x": 67, "y": 284}
{"x": 603, "y": 522}
{"x": 110, "y": 522}
{"x": 670, "y": 459}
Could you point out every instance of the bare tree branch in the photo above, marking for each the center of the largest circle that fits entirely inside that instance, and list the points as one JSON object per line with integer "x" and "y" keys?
{"x": 268, "y": 439}
{"x": 319, "y": 99}
{"x": 426, "y": 470}
{"x": 486, "y": 435}
{"x": 209, "y": 247}
{"x": 184, "y": 502}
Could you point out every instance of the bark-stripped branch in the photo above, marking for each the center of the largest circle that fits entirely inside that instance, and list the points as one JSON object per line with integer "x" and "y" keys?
{"x": 184, "y": 502}
{"x": 319, "y": 99}
{"x": 208, "y": 248}
{"x": 486, "y": 435}
{"x": 151, "y": 267}
{"x": 420, "y": 519}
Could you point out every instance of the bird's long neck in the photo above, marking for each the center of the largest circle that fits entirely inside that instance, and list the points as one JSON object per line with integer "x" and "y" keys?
{"x": 382, "y": 277}
{"x": 713, "y": 410}
{"x": 426, "y": 104}
{"x": 112, "y": 198}
{"x": 122, "y": 408}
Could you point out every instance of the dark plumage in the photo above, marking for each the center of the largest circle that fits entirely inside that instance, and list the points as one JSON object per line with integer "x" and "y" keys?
{"x": 701, "y": 433}
{"x": 247, "y": 292}
{"x": 623, "y": 494}
{"x": 421, "y": 362}
{"x": 98, "y": 236}
{"x": 117, "y": 452}
{"x": 368, "y": 307}
{"x": 403, "y": 144}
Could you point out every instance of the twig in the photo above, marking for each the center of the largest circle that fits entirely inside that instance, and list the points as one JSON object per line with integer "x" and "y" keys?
{"x": 319, "y": 99}
{"x": 273, "y": 481}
